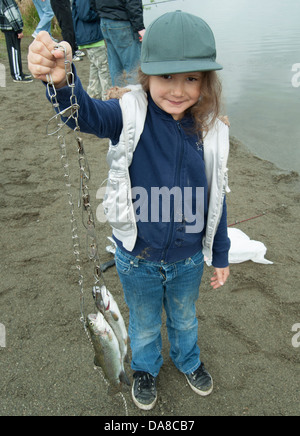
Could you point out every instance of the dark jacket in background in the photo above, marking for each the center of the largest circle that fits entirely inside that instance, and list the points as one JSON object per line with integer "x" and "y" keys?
{"x": 86, "y": 23}
{"x": 122, "y": 10}
{"x": 10, "y": 16}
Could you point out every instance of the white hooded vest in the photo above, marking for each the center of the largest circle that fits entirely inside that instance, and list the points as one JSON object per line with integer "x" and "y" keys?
{"x": 118, "y": 206}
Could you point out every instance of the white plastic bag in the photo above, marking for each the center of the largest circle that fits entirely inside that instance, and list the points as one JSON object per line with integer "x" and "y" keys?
{"x": 243, "y": 248}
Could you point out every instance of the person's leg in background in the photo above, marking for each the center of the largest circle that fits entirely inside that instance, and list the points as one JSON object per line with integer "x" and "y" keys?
{"x": 46, "y": 14}
{"x": 123, "y": 51}
{"x": 63, "y": 13}
{"x": 100, "y": 81}
{"x": 13, "y": 44}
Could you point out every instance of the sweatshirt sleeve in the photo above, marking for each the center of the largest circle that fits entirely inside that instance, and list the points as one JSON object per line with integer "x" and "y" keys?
{"x": 222, "y": 243}
{"x": 13, "y": 16}
{"x": 97, "y": 117}
{"x": 135, "y": 13}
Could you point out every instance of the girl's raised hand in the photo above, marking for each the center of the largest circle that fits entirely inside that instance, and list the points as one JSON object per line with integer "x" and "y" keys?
{"x": 44, "y": 60}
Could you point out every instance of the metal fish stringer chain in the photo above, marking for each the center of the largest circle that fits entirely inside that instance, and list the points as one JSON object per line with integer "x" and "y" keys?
{"x": 118, "y": 394}
{"x": 84, "y": 197}
{"x": 72, "y": 112}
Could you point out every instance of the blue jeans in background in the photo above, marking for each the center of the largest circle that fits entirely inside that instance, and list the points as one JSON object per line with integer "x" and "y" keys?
{"x": 150, "y": 286}
{"x": 46, "y": 14}
{"x": 123, "y": 51}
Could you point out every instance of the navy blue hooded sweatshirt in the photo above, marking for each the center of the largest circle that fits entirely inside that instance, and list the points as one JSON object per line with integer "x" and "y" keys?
{"x": 168, "y": 155}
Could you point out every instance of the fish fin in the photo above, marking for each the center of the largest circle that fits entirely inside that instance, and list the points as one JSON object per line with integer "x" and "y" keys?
{"x": 124, "y": 379}
{"x": 96, "y": 363}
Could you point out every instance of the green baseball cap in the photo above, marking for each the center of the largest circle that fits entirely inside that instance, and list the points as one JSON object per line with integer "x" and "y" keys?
{"x": 178, "y": 42}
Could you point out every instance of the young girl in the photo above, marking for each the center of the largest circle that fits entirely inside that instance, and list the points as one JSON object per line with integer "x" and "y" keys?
{"x": 166, "y": 188}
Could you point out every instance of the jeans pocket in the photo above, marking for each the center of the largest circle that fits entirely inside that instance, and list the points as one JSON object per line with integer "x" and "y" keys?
{"x": 197, "y": 260}
{"x": 123, "y": 34}
{"x": 123, "y": 264}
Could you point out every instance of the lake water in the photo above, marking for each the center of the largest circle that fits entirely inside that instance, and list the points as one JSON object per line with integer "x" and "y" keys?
{"x": 258, "y": 44}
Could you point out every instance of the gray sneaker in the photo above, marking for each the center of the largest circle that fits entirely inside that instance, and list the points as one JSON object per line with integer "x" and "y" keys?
{"x": 144, "y": 393}
{"x": 77, "y": 59}
{"x": 79, "y": 53}
{"x": 200, "y": 381}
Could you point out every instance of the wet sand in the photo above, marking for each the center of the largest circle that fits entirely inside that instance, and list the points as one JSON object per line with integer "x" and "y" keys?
{"x": 245, "y": 329}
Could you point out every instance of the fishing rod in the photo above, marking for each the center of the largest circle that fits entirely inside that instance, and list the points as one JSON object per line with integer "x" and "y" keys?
{"x": 249, "y": 219}
{"x": 158, "y": 3}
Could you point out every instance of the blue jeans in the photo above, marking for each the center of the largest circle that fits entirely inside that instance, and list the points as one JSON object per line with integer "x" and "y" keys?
{"x": 46, "y": 14}
{"x": 150, "y": 286}
{"x": 123, "y": 51}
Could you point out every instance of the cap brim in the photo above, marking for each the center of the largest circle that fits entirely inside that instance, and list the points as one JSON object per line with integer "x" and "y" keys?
{"x": 177, "y": 67}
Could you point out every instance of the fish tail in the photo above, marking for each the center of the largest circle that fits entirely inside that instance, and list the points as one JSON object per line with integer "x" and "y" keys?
{"x": 124, "y": 379}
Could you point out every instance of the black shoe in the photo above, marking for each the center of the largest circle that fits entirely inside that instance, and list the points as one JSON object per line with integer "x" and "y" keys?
{"x": 24, "y": 79}
{"x": 144, "y": 390}
{"x": 200, "y": 381}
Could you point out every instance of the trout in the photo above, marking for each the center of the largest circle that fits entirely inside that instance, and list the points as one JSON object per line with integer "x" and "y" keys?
{"x": 107, "y": 351}
{"x": 107, "y": 305}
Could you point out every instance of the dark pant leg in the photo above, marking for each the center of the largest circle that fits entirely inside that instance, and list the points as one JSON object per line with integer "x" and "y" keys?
{"x": 13, "y": 44}
{"x": 63, "y": 13}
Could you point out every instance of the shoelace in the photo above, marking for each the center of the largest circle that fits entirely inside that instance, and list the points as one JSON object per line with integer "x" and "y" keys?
{"x": 199, "y": 373}
{"x": 146, "y": 381}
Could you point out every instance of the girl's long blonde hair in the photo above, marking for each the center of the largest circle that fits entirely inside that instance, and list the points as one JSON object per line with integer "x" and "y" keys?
{"x": 207, "y": 110}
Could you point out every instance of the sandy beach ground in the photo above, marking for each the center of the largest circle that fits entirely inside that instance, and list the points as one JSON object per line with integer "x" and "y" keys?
{"x": 245, "y": 329}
